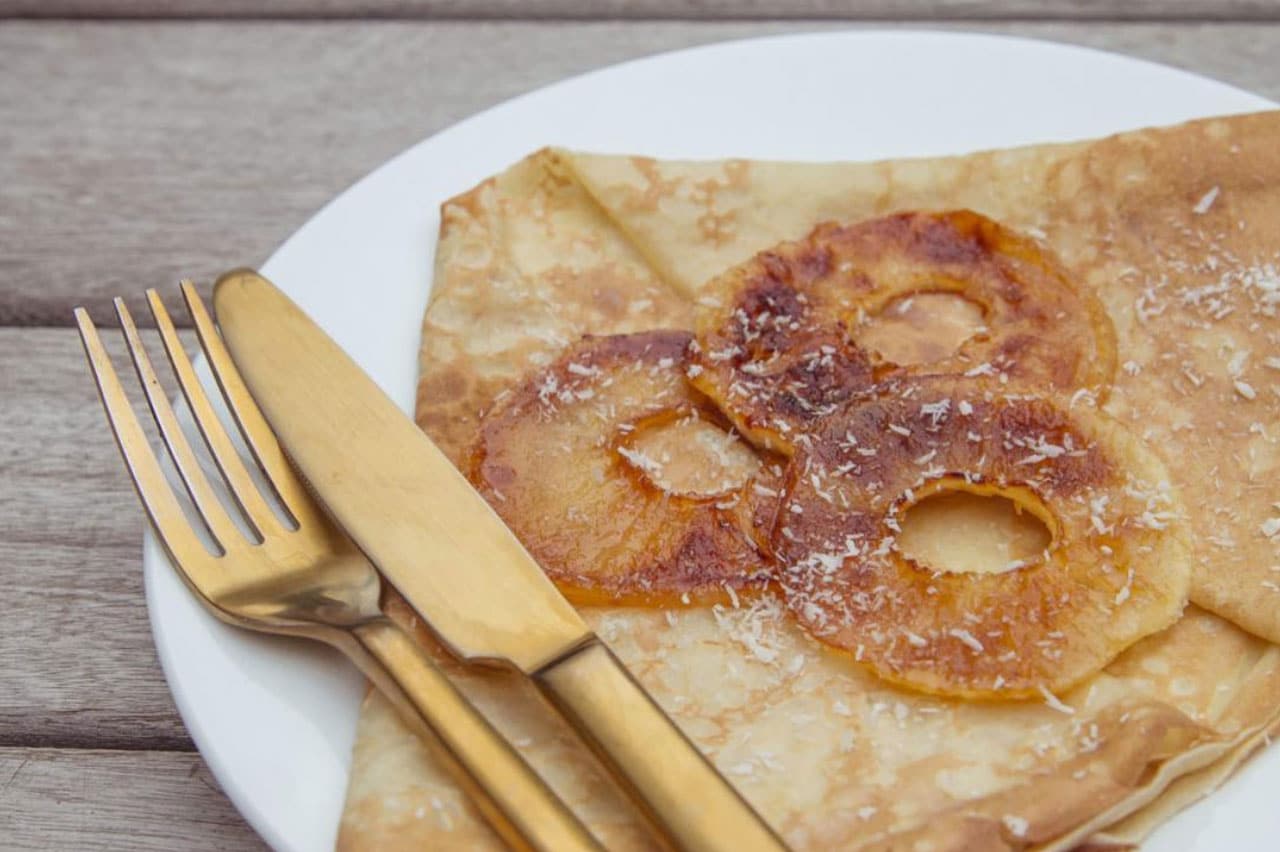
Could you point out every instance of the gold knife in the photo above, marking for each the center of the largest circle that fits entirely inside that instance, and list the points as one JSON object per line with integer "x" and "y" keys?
{"x": 445, "y": 550}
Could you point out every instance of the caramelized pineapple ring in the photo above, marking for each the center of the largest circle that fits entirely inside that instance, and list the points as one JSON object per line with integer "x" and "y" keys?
{"x": 1116, "y": 569}
{"x": 783, "y": 344}
{"x": 619, "y": 479}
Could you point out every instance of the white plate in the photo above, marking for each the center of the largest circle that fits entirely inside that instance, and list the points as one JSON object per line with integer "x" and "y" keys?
{"x": 275, "y": 720}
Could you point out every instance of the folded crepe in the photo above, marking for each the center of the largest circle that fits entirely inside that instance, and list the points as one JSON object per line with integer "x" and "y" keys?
{"x": 1177, "y": 230}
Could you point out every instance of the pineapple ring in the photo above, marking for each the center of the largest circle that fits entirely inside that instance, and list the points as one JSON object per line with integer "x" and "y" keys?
{"x": 779, "y": 350}
{"x": 1117, "y": 567}
{"x": 564, "y": 460}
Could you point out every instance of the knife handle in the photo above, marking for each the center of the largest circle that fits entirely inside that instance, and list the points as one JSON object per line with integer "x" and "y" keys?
{"x": 514, "y": 800}
{"x": 678, "y": 789}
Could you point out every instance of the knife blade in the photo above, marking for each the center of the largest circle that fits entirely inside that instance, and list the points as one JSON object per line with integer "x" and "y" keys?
{"x": 403, "y": 502}
{"x": 449, "y": 554}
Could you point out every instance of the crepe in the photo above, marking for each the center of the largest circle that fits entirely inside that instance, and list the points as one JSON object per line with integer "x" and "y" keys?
{"x": 1173, "y": 228}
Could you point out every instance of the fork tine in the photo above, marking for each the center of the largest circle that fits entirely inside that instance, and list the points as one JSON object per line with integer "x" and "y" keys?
{"x": 253, "y": 426}
{"x": 167, "y": 517}
{"x": 260, "y": 515}
{"x": 207, "y": 503}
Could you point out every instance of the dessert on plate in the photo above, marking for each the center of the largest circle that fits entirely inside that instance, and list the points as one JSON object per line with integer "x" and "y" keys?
{"x": 935, "y": 499}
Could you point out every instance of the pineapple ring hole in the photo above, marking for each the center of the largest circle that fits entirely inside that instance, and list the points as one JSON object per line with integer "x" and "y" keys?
{"x": 971, "y": 528}
{"x": 683, "y": 453}
{"x": 921, "y": 327}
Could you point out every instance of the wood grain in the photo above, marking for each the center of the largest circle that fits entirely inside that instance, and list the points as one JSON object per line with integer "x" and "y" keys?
{"x": 1214, "y": 10}
{"x": 139, "y": 153}
{"x": 75, "y": 647}
{"x": 135, "y": 152}
{"x": 138, "y": 801}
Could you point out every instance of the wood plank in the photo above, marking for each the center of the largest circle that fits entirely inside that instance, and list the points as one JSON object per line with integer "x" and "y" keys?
{"x": 140, "y": 801}
{"x": 134, "y": 153}
{"x": 75, "y": 646}
{"x": 1216, "y": 10}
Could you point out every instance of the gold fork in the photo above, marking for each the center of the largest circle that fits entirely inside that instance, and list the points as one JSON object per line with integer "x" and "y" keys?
{"x": 303, "y": 577}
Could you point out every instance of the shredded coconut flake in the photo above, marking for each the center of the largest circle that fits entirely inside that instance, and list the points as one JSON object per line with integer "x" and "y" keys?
{"x": 936, "y": 411}
{"x": 1206, "y": 201}
{"x": 640, "y": 460}
{"x": 1123, "y": 594}
{"x": 969, "y": 639}
{"x": 1055, "y": 702}
{"x": 1235, "y": 367}
{"x": 1017, "y": 825}
{"x": 749, "y": 627}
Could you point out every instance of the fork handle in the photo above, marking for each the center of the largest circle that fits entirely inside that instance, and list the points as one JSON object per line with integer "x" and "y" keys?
{"x": 515, "y": 801}
{"x": 663, "y": 771}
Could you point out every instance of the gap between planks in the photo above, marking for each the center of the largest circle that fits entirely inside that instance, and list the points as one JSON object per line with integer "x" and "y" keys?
{"x": 857, "y": 10}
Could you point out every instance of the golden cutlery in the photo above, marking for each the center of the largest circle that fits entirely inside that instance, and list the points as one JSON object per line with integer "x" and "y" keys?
{"x": 302, "y": 576}
{"x": 436, "y": 540}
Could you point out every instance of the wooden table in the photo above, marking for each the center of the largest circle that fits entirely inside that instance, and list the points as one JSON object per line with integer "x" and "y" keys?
{"x": 143, "y": 140}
